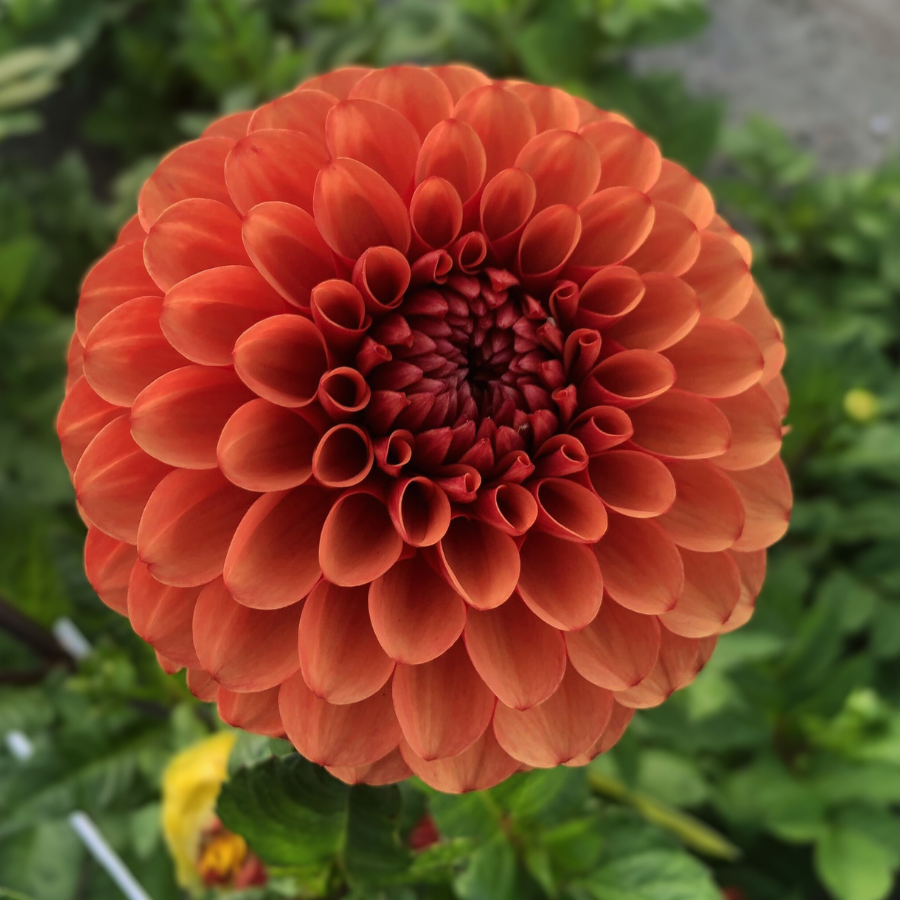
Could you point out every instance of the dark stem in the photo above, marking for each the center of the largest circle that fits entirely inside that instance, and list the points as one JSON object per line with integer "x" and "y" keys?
{"x": 34, "y": 636}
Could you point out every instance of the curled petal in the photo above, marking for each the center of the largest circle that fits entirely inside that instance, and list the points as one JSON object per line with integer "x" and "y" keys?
{"x": 632, "y": 483}
{"x": 752, "y": 567}
{"x": 501, "y": 120}
{"x": 628, "y": 158}
{"x": 679, "y": 662}
{"x": 394, "y": 451}
{"x": 766, "y": 496}
{"x": 548, "y": 241}
{"x": 339, "y": 311}
{"x": 677, "y": 186}
{"x": 415, "y": 93}
{"x": 616, "y": 222}
{"x": 378, "y": 136}
{"x": 460, "y": 79}
{"x": 559, "y": 456}
{"x": 274, "y": 165}
{"x": 607, "y": 296}
{"x": 672, "y": 246}
{"x": 195, "y": 169}
{"x": 617, "y": 650}
{"x": 720, "y": 277}
{"x": 420, "y": 511}
{"x": 272, "y": 559}
{"x": 82, "y": 416}
{"x": 179, "y": 418}
{"x": 343, "y": 392}
{"x": 286, "y": 248}
{"x": 712, "y": 588}
{"x": 387, "y": 770}
{"x": 305, "y": 111}
{"x": 601, "y": 428}
{"x": 668, "y": 310}
{"x": 436, "y": 213}
{"x": 519, "y": 657}
{"x": 338, "y": 82}
{"x": 707, "y": 514}
{"x": 629, "y": 378}
{"x": 188, "y": 524}
{"x": 256, "y": 712}
{"x": 561, "y": 582}
{"x": 642, "y": 568}
{"x": 615, "y": 728}
{"x": 453, "y": 151}
{"x": 191, "y": 236}
{"x": 569, "y": 510}
{"x": 205, "y": 314}
{"x": 682, "y": 426}
{"x": 716, "y": 359}
{"x": 162, "y": 616}
{"x": 343, "y": 457}
{"x": 755, "y": 429}
{"x": 282, "y": 359}
{"x": 558, "y": 729}
{"x": 443, "y": 706}
{"x": 126, "y": 350}
{"x": 382, "y": 276}
{"x": 480, "y": 562}
{"x": 244, "y": 649}
{"x": 564, "y": 166}
{"x": 108, "y": 564}
{"x": 481, "y": 766}
{"x": 358, "y": 542}
{"x": 116, "y": 278}
{"x": 114, "y": 480}
{"x": 507, "y": 507}
{"x": 551, "y": 107}
{"x": 333, "y": 620}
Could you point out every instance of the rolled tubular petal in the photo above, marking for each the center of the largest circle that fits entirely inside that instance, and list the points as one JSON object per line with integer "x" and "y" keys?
{"x": 343, "y": 457}
{"x": 712, "y": 588}
{"x": 339, "y": 311}
{"x": 333, "y": 620}
{"x": 282, "y": 359}
{"x": 564, "y": 166}
{"x": 443, "y": 706}
{"x": 601, "y": 428}
{"x": 273, "y": 560}
{"x": 187, "y": 525}
{"x": 416, "y": 615}
{"x": 616, "y": 222}
{"x": 81, "y": 418}
{"x": 627, "y": 157}
{"x": 508, "y": 507}
{"x": 244, "y": 649}
{"x": 679, "y": 662}
{"x": 632, "y": 483}
{"x": 419, "y": 510}
{"x": 681, "y": 425}
{"x": 519, "y": 657}
{"x": 343, "y": 392}
{"x": 765, "y": 493}
{"x": 108, "y": 564}
{"x": 569, "y": 510}
{"x": 256, "y": 712}
{"x": 617, "y": 650}
{"x": 561, "y": 582}
{"x": 382, "y": 276}
{"x": 558, "y": 729}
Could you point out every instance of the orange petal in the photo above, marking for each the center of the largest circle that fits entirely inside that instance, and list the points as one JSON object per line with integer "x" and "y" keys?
{"x": 777, "y": 391}
{"x": 681, "y": 425}
{"x": 304, "y": 111}
{"x": 506, "y": 207}
{"x": 607, "y": 296}
{"x": 707, "y": 514}
{"x": 202, "y": 686}
{"x": 282, "y": 359}
{"x": 354, "y": 734}
{"x": 668, "y": 310}
{"x": 419, "y": 510}
{"x": 170, "y": 667}
{"x": 256, "y": 712}
{"x": 244, "y": 649}
{"x": 379, "y": 137}
{"x": 755, "y": 429}
{"x": 600, "y": 428}
{"x": 628, "y": 158}
{"x": 615, "y": 728}
{"x": 501, "y": 120}
{"x": 343, "y": 457}
{"x": 550, "y": 107}
{"x": 114, "y": 480}
{"x": 338, "y": 82}
{"x": 680, "y": 660}
{"x": 720, "y": 277}
{"x": 558, "y": 729}
{"x": 81, "y": 418}
{"x": 641, "y": 566}
{"x": 510, "y": 508}
{"x": 548, "y": 241}
{"x": 273, "y": 559}
{"x": 453, "y": 151}
{"x": 388, "y": 770}
{"x": 232, "y": 126}
{"x": 569, "y": 510}
{"x": 162, "y": 615}
{"x": 677, "y": 186}
{"x": 480, "y": 562}
{"x": 720, "y": 227}
{"x": 561, "y": 582}
{"x": 482, "y": 766}
{"x": 74, "y": 361}
{"x": 382, "y": 276}
{"x": 632, "y": 483}
{"x": 564, "y": 166}
{"x": 117, "y": 277}
{"x": 712, "y": 588}
{"x": 191, "y": 236}
{"x": 264, "y": 447}
{"x": 629, "y": 378}
{"x": 672, "y": 246}
{"x": 205, "y": 314}
{"x": 616, "y": 222}
{"x": 415, "y": 93}
{"x": 195, "y": 169}
{"x": 460, "y": 79}
{"x": 334, "y": 619}
{"x": 436, "y": 213}
{"x": 519, "y": 657}
{"x": 132, "y": 230}
{"x": 339, "y": 311}
{"x": 757, "y": 319}
{"x": 355, "y": 208}
{"x": 178, "y": 419}
{"x": 358, "y": 542}
{"x": 752, "y": 567}
{"x": 767, "y": 498}
{"x": 443, "y": 706}
{"x": 617, "y": 650}
{"x": 285, "y": 246}
{"x": 108, "y": 564}
{"x": 187, "y": 525}
{"x": 343, "y": 392}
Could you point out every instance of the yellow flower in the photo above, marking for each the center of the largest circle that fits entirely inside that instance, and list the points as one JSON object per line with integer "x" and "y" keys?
{"x": 191, "y": 785}
{"x": 860, "y": 405}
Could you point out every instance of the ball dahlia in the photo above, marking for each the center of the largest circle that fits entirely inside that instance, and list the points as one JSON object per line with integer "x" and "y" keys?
{"x": 430, "y": 420}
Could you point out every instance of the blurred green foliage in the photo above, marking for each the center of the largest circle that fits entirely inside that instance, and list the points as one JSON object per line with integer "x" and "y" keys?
{"x": 779, "y": 768}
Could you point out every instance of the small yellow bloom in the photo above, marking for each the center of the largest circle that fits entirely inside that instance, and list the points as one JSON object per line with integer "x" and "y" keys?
{"x": 191, "y": 785}
{"x": 860, "y": 405}
{"x": 222, "y": 857}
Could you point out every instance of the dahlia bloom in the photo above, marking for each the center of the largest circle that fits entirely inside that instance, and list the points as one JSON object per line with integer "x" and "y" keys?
{"x": 429, "y": 420}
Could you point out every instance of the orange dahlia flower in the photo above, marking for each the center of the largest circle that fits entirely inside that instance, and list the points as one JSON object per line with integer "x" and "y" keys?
{"x": 430, "y": 420}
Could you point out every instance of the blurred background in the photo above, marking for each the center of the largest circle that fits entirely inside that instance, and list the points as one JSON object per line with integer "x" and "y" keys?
{"x": 777, "y": 774}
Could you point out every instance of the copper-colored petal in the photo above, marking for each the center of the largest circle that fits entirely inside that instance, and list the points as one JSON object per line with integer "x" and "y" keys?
{"x": 132, "y": 230}
{"x": 628, "y": 158}
{"x": 419, "y": 510}
{"x": 755, "y": 429}
{"x": 607, "y": 296}
{"x": 202, "y": 686}
{"x": 343, "y": 392}
{"x": 720, "y": 277}
{"x": 74, "y": 361}
{"x": 680, "y": 660}
{"x": 506, "y": 206}
{"x": 757, "y": 319}
{"x": 305, "y": 111}
{"x": 510, "y": 508}
{"x": 551, "y": 107}
{"x": 339, "y": 82}
{"x": 548, "y": 241}
{"x": 339, "y": 311}
{"x": 436, "y": 212}
{"x": 632, "y": 483}
{"x": 256, "y": 712}
{"x": 629, "y": 378}
{"x": 343, "y": 457}
{"x": 233, "y": 126}
{"x": 712, "y": 588}
{"x": 569, "y": 510}
{"x": 765, "y": 493}
{"x": 381, "y": 275}
{"x": 672, "y": 246}
{"x": 387, "y": 770}
{"x": 460, "y": 79}
{"x": 616, "y": 222}
{"x": 615, "y": 728}
{"x": 752, "y": 567}
{"x": 565, "y": 167}
{"x": 81, "y": 418}
{"x": 668, "y": 310}
{"x": 777, "y": 391}
{"x": 453, "y": 151}
{"x": 677, "y": 186}
{"x": 681, "y": 425}
{"x": 108, "y": 564}
{"x": 600, "y": 428}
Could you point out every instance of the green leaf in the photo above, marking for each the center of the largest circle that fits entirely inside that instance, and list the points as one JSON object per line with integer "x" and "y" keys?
{"x": 373, "y": 852}
{"x": 853, "y": 865}
{"x": 491, "y": 874}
